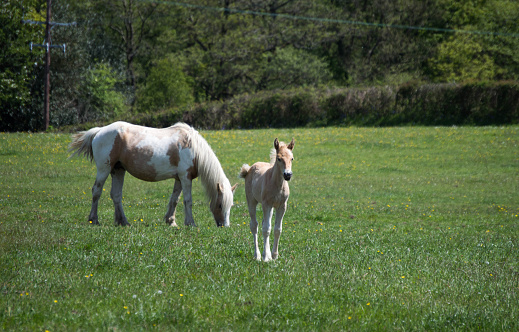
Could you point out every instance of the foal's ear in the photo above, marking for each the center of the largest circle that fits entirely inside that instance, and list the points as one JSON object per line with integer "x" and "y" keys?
{"x": 276, "y": 144}
{"x": 233, "y": 188}
{"x": 291, "y": 145}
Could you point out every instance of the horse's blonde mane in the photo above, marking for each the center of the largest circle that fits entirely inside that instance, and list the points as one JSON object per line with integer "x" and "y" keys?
{"x": 209, "y": 169}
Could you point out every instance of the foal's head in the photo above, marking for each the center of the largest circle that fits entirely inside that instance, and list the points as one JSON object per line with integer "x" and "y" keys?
{"x": 221, "y": 208}
{"x": 284, "y": 158}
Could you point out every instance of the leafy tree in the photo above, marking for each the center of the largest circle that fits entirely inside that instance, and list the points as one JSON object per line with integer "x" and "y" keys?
{"x": 231, "y": 49}
{"x": 129, "y": 24}
{"x": 488, "y": 54}
{"x": 167, "y": 86}
{"x": 17, "y": 64}
{"x": 290, "y": 67}
{"x": 462, "y": 58}
{"x": 98, "y": 98}
{"x": 361, "y": 54}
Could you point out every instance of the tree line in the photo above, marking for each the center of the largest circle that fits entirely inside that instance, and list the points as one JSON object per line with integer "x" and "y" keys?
{"x": 128, "y": 57}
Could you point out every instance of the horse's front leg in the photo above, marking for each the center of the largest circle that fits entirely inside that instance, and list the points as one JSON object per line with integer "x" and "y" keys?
{"x": 188, "y": 202}
{"x": 267, "y": 216}
{"x": 117, "y": 196}
{"x": 97, "y": 190}
{"x": 280, "y": 212}
{"x": 172, "y": 206}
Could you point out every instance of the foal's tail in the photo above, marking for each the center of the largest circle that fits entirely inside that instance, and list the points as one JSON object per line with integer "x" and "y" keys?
{"x": 82, "y": 143}
{"x": 244, "y": 171}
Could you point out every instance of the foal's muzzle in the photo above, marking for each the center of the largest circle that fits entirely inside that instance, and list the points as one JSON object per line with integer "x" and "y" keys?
{"x": 287, "y": 175}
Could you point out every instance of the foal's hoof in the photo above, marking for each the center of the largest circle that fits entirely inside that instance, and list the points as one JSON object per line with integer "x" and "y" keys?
{"x": 267, "y": 258}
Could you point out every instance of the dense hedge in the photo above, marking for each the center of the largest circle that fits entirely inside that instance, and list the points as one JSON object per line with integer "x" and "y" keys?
{"x": 409, "y": 104}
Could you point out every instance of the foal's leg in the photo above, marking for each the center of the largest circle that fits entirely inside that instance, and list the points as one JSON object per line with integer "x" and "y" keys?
{"x": 117, "y": 196}
{"x": 254, "y": 226}
{"x": 267, "y": 216}
{"x": 97, "y": 190}
{"x": 172, "y": 206}
{"x": 280, "y": 212}
{"x": 188, "y": 202}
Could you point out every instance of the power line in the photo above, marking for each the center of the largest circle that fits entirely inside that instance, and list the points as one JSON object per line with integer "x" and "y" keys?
{"x": 329, "y": 20}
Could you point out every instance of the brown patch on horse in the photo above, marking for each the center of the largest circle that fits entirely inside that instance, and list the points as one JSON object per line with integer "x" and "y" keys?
{"x": 125, "y": 155}
{"x": 192, "y": 172}
{"x": 174, "y": 153}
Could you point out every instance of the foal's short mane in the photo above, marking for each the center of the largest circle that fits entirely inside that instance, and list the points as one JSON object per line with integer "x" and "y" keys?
{"x": 208, "y": 167}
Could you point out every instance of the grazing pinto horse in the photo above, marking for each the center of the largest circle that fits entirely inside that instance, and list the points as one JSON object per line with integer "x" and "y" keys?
{"x": 267, "y": 184}
{"x": 151, "y": 154}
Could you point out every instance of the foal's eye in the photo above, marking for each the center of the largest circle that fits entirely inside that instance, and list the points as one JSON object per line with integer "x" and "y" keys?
{"x": 279, "y": 159}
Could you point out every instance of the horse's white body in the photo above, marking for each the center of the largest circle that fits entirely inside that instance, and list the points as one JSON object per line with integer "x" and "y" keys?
{"x": 266, "y": 183}
{"x": 152, "y": 154}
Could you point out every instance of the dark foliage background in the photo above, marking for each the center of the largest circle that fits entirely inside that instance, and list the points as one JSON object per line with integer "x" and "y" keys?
{"x": 244, "y": 63}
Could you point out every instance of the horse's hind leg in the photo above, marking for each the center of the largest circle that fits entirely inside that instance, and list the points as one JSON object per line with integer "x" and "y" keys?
{"x": 117, "y": 195}
{"x": 172, "y": 206}
{"x": 97, "y": 190}
{"x": 254, "y": 226}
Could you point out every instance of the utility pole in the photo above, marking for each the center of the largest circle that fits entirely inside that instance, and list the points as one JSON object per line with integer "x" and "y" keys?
{"x": 47, "y": 68}
{"x": 47, "y": 44}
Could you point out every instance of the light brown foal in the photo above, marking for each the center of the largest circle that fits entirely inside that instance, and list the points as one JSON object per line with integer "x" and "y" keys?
{"x": 266, "y": 183}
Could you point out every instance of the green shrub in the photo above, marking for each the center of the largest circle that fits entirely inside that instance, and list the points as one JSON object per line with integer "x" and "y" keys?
{"x": 408, "y": 104}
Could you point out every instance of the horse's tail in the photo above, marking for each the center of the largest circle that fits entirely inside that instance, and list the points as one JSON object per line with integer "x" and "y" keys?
{"x": 244, "y": 171}
{"x": 82, "y": 143}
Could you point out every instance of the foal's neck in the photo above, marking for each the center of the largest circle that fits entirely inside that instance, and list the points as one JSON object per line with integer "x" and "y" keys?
{"x": 277, "y": 176}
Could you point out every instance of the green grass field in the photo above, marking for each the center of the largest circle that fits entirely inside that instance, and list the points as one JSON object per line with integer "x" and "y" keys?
{"x": 386, "y": 229}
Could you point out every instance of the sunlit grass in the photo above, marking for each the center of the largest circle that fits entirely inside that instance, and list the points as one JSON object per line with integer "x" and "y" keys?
{"x": 393, "y": 228}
